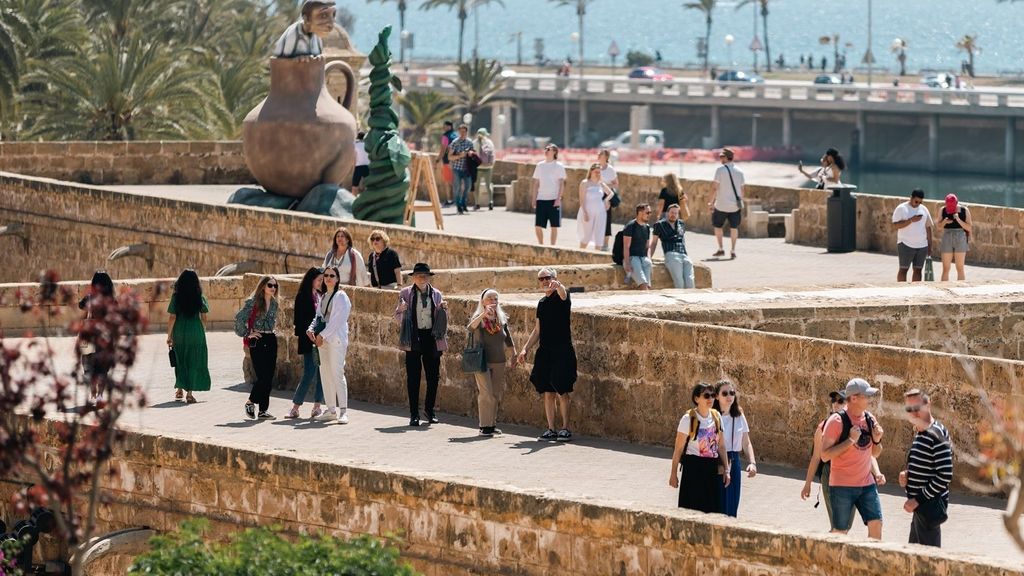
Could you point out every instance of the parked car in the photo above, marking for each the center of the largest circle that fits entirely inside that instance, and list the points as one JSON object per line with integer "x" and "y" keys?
{"x": 657, "y": 141}
{"x": 650, "y": 73}
{"x": 740, "y": 76}
{"x": 527, "y": 141}
{"x": 828, "y": 79}
{"x": 941, "y": 80}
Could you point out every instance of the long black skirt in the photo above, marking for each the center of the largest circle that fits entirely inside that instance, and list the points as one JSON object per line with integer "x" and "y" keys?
{"x": 699, "y": 485}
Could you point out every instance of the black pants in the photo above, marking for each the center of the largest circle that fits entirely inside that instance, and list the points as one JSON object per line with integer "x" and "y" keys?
{"x": 925, "y": 533}
{"x": 424, "y": 357}
{"x": 264, "y": 364}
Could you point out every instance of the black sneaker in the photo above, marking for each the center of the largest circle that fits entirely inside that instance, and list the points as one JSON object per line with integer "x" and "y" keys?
{"x": 564, "y": 435}
{"x": 548, "y": 434}
{"x": 250, "y": 411}
{"x": 264, "y": 415}
{"x": 414, "y": 422}
{"x": 487, "y": 431}
{"x": 433, "y": 419}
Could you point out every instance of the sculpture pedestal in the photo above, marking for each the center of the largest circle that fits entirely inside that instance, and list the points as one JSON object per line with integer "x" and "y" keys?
{"x": 324, "y": 199}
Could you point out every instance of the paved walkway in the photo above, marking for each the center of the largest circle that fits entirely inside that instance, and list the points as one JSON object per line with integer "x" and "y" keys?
{"x": 596, "y": 470}
{"x": 764, "y": 262}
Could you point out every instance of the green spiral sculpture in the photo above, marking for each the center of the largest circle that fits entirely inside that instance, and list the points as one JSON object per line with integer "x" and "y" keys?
{"x": 383, "y": 199}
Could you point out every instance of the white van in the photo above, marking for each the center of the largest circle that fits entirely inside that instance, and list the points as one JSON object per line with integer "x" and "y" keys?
{"x": 649, "y": 140}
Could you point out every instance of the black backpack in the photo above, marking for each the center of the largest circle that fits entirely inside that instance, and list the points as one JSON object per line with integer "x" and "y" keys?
{"x": 617, "y": 255}
{"x": 847, "y": 425}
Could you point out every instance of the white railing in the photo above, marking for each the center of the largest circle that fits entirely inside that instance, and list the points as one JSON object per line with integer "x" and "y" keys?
{"x": 615, "y": 88}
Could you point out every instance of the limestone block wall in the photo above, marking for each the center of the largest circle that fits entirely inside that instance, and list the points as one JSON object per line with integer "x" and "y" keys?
{"x": 458, "y": 529}
{"x": 73, "y": 227}
{"x": 153, "y": 162}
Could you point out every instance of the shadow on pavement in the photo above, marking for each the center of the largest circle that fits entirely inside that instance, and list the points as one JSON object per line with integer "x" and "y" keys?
{"x": 534, "y": 446}
{"x": 169, "y": 404}
{"x": 402, "y": 429}
{"x": 469, "y": 439}
{"x": 242, "y": 424}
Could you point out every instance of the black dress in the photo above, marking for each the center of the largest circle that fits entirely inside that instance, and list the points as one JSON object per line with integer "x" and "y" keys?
{"x": 667, "y": 199}
{"x": 305, "y": 311}
{"x": 554, "y": 367}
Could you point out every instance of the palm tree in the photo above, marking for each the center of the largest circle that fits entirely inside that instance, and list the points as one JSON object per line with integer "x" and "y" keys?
{"x": 462, "y": 6}
{"x": 764, "y": 27}
{"x": 581, "y": 12}
{"x": 969, "y": 44}
{"x": 122, "y": 89}
{"x": 834, "y": 41}
{"x": 707, "y": 7}
{"x": 425, "y": 112}
{"x": 402, "y": 6}
{"x": 477, "y": 83}
{"x": 13, "y": 29}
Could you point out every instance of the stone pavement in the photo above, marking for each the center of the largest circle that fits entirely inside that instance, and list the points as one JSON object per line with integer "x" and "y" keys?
{"x": 762, "y": 262}
{"x": 590, "y": 469}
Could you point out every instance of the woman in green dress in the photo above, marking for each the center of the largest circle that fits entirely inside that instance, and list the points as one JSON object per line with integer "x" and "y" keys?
{"x": 186, "y": 334}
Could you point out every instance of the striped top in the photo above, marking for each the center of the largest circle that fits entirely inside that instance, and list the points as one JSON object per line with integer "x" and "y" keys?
{"x": 930, "y": 464}
{"x": 295, "y": 42}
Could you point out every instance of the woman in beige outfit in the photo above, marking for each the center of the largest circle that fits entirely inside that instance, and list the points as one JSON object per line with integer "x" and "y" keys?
{"x": 489, "y": 326}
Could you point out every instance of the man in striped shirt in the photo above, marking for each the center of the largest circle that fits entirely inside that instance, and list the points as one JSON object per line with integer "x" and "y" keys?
{"x": 929, "y": 471}
{"x": 303, "y": 39}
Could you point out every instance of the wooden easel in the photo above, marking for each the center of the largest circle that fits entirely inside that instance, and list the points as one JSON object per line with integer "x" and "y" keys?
{"x": 422, "y": 169}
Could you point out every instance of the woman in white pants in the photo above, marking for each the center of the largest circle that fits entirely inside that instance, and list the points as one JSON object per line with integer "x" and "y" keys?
{"x": 330, "y": 332}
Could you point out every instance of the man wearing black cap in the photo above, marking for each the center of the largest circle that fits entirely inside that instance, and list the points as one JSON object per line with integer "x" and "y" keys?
{"x": 422, "y": 314}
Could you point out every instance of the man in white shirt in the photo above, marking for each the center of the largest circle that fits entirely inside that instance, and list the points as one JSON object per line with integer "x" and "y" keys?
{"x": 548, "y": 185}
{"x": 362, "y": 169}
{"x": 913, "y": 225}
{"x": 727, "y": 205}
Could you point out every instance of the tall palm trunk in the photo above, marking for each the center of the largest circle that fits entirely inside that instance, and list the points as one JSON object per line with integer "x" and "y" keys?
{"x": 462, "y": 27}
{"x": 401, "y": 32}
{"x": 707, "y": 42}
{"x": 764, "y": 26}
{"x": 580, "y": 13}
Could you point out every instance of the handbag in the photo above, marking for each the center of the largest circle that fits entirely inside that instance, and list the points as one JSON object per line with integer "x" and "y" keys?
{"x": 319, "y": 324}
{"x": 616, "y": 199}
{"x": 473, "y": 357}
{"x": 933, "y": 510}
{"x": 172, "y": 357}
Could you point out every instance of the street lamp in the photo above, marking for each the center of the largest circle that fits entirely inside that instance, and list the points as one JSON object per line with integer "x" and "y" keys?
{"x": 753, "y": 130}
{"x": 467, "y": 119}
{"x": 729, "y": 39}
{"x": 566, "y": 93}
{"x": 406, "y": 45}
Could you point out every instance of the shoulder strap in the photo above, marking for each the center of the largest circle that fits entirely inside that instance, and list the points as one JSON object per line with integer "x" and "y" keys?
{"x": 717, "y": 416}
{"x": 694, "y": 422}
{"x": 734, "y": 192}
{"x": 351, "y": 266}
{"x": 847, "y": 424}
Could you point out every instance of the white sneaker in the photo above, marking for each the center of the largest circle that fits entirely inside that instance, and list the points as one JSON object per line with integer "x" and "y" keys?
{"x": 343, "y": 419}
{"x": 327, "y": 415}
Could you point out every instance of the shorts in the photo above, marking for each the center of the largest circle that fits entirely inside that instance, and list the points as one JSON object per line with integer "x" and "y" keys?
{"x": 548, "y": 212}
{"x": 954, "y": 241}
{"x": 719, "y": 218}
{"x": 846, "y": 498}
{"x": 360, "y": 173}
{"x": 908, "y": 256}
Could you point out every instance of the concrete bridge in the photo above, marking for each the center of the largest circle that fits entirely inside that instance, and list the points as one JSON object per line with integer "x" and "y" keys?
{"x": 881, "y": 125}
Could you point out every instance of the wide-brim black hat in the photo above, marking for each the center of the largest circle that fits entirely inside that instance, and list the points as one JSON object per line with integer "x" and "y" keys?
{"x": 421, "y": 268}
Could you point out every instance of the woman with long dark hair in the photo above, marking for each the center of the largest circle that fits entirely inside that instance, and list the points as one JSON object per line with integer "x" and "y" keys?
{"x": 832, "y": 166}
{"x": 306, "y": 301}
{"x": 737, "y": 439}
{"x": 329, "y": 331}
{"x": 186, "y": 334}
{"x": 255, "y": 323}
{"x": 101, "y": 290}
{"x": 700, "y": 449}
{"x": 347, "y": 259}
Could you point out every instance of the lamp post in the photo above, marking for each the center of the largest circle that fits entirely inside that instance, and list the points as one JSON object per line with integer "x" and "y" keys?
{"x": 869, "y": 58}
{"x": 566, "y": 93}
{"x": 753, "y": 130}
{"x": 500, "y": 136}
{"x": 729, "y": 39}
{"x": 406, "y": 45}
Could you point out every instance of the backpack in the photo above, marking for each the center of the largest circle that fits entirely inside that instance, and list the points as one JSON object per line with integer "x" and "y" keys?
{"x": 617, "y": 252}
{"x": 695, "y": 422}
{"x": 847, "y": 425}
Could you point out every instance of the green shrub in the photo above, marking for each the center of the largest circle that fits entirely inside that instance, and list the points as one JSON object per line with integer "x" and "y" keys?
{"x": 262, "y": 551}
{"x": 636, "y": 58}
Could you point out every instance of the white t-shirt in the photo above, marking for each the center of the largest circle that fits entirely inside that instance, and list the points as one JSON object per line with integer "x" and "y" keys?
{"x": 914, "y": 235}
{"x": 734, "y": 436}
{"x": 549, "y": 173}
{"x": 725, "y": 200}
{"x": 705, "y": 444}
{"x": 608, "y": 175}
{"x": 362, "y": 158}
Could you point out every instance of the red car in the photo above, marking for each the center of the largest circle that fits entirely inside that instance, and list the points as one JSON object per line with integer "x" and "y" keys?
{"x": 650, "y": 73}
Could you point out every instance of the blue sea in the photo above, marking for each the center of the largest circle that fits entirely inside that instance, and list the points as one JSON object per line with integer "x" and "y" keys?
{"x": 931, "y": 29}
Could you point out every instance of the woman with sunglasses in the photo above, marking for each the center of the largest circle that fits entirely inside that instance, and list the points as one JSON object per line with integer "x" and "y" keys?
{"x": 345, "y": 257}
{"x": 699, "y": 443}
{"x": 255, "y": 323}
{"x": 384, "y": 266}
{"x": 329, "y": 331}
{"x": 737, "y": 438}
{"x": 306, "y": 301}
{"x": 489, "y": 325}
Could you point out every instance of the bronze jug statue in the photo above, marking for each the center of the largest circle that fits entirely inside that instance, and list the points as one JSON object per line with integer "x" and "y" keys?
{"x": 299, "y": 136}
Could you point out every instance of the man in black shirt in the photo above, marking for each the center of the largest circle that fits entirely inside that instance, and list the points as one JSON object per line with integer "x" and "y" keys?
{"x": 929, "y": 471}
{"x": 383, "y": 264}
{"x": 670, "y": 231}
{"x": 635, "y": 238}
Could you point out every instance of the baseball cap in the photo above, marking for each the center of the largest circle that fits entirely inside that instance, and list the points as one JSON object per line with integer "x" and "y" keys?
{"x": 859, "y": 386}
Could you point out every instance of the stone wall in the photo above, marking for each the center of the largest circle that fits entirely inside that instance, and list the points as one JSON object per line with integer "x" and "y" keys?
{"x": 458, "y": 529}
{"x": 74, "y": 227}
{"x": 195, "y": 162}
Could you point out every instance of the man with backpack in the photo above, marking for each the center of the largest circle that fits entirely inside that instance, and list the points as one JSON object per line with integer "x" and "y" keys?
{"x": 929, "y": 471}
{"x": 636, "y": 237}
{"x": 850, "y": 439}
{"x": 727, "y": 205}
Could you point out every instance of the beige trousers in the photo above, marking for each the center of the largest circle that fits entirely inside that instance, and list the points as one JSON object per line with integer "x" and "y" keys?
{"x": 490, "y": 388}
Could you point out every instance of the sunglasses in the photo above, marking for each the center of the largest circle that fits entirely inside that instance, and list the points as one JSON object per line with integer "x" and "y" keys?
{"x": 272, "y": 286}
{"x": 728, "y": 392}
{"x": 707, "y": 395}
{"x": 330, "y": 275}
{"x": 544, "y": 278}
{"x": 376, "y": 239}
{"x": 912, "y": 409}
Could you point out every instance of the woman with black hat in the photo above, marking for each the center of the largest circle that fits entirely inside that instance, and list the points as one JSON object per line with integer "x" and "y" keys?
{"x": 422, "y": 314}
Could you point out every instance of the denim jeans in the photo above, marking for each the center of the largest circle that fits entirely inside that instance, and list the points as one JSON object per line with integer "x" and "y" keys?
{"x": 310, "y": 373}
{"x": 845, "y": 499}
{"x": 680, "y": 268}
{"x": 463, "y": 184}
{"x": 641, "y": 273}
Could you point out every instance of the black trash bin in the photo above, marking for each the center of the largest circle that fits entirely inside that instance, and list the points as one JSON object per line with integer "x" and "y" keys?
{"x": 842, "y": 219}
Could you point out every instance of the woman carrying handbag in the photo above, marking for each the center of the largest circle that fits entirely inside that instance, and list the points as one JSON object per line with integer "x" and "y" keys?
{"x": 255, "y": 323}
{"x": 329, "y": 331}
{"x": 489, "y": 328}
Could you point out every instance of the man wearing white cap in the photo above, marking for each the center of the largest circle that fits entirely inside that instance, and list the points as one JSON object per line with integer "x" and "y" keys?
{"x": 850, "y": 440}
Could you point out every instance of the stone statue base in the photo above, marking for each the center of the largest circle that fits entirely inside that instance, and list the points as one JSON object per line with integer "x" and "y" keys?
{"x": 324, "y": 199}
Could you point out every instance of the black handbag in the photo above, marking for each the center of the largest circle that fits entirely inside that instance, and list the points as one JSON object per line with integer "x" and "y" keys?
{"x": 473, "y": 357}
{"x": 172, "y": 357}
{"x": 933, "y": 510}
{"x": 615, "y": 200}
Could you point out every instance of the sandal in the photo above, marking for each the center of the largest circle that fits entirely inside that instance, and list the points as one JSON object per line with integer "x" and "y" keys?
{"x": 718, "y": 254}
{"x": 179, "y": 393}
{"x": 732, "y": 256}
{"x": 190, "y": 399}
